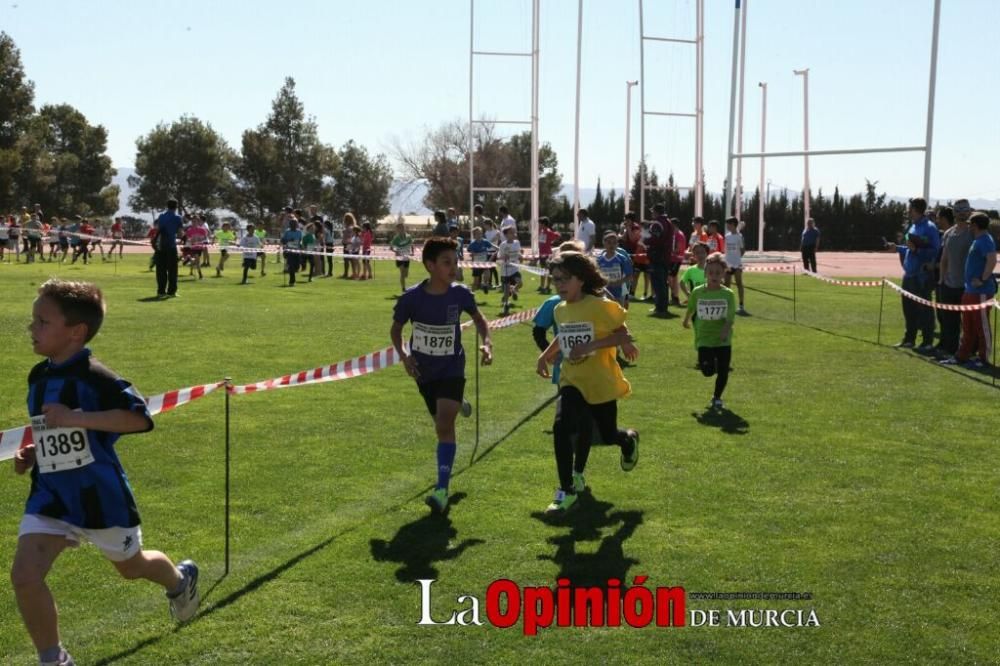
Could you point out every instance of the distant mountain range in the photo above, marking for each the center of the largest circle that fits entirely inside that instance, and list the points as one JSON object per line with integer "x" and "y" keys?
{"x": 408, "y": 198}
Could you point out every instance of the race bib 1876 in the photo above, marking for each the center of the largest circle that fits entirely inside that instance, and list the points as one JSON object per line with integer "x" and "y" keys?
{"x": 59, "y": 449}
{"x": 712, "y": 310}
{"x": 433, "y": 340}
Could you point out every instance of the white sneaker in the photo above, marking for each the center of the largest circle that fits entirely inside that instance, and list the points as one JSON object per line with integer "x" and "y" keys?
{"x": 64, "y": 660}
{"x": 185, "y": 604}
{"x": 717, "y": 403}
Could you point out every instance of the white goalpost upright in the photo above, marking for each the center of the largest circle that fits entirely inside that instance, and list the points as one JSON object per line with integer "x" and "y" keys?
{"x": 697, "y": 115}
{"x": 738, "y": 154}
{"x": 533, "y": 54}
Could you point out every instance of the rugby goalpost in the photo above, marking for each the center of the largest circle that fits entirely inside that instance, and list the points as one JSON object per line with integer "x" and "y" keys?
{"x": 532, "y": 121}
{"x": 736, "y": 90}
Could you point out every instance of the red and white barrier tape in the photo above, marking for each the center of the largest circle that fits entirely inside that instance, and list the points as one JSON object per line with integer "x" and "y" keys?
{"x": 844, "y": 283}
{"x": 943, "y": 306}
{"x": 15, "y": 438}
{"x": 766, "y": 269}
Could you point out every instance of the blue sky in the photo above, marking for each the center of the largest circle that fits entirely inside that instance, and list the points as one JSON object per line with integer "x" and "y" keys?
{"x": 378, "y": 70}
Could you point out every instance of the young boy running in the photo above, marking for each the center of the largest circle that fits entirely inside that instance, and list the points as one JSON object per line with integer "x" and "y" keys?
{"x": 436, "y": 358}
{"x": 734, "y": 258}
{"x": 224, "y": 237}
{"x": 79, "y": 491}
{"x": 615, "y": 267}
{"x": 252, "y": 245}
{"x": 402, "y": 245}
{"x": 508, "y": 256}
{"x": 694, "y": 276}
{"x": 713, "y": 309}
{"x": 591, "y": 383}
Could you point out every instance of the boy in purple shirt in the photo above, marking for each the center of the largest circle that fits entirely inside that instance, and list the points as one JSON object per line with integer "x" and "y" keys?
{"x": 435, "y": 357}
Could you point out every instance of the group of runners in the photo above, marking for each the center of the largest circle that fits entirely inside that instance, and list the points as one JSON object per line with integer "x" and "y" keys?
{"x": 26, "y": 237}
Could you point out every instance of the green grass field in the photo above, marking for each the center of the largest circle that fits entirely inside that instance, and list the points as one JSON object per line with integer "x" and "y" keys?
{"x": 863, "y": 475}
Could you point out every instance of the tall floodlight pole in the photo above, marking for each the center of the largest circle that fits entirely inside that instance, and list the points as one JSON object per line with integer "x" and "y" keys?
{"x": 739, "y": 117}
{"x": 930, "y": 101}
{"x": 760, "y": 192}
{"x": 472, "y": 46}
{"x": 628, "y": 137}
{"x": 699, "y": 121}
{"x": 732, "y": 110}
{"x": 642, "y": 125}
{"x": 804, "y": 73}
{"x": 576, "y": 140}
{"x": 535, "y": 53}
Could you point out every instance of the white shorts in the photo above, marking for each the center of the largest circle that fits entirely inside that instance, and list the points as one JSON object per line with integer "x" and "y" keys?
{"x": 117, "y": 543}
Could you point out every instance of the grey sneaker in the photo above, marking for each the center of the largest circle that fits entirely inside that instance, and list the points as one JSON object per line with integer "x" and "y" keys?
{"x": 185, "y": 604}
{"x": 466, "y": 408}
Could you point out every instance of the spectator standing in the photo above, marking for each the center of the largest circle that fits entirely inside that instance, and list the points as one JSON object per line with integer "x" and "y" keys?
{"x": 980, "y": 286}
{"x": 809, "y": 245}
{"x": 951, "y": 281}
{"x": 167, "y": 226}
{"x": 918, "y": 256}
{"x": 586, "y": 230}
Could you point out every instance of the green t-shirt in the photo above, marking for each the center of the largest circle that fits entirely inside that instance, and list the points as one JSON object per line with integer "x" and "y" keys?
{"x": 693, "y": 277}
{"x": 225, "y": 238}
{"x": 711, "y": 309}
{"x": 260, "y": 233}
{"x": 402, "y": 245}
{"x": 308, "y": 240}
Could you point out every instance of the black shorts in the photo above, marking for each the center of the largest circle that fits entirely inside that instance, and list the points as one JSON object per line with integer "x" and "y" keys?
{"x": 224, "y": 252}
{"x": 250, "y": 263}
{"x": 543, "y": 262}
{"x": 511, "y": 279}
{"x": 478, "y": 272}
{"x": 400, "y": 263}
{"x": 675, "y": 268}
{"x": 452, "y": 388}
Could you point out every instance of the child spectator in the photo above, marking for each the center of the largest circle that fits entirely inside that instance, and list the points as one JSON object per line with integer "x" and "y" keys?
{"x": 695, "y": 273}
{"x": 508, "y": 256}
{"x": 479, "y": 250}
{"x": 734, "y": 259}
{"x": 367, "y": 238}
{"x": 547, "y": 236}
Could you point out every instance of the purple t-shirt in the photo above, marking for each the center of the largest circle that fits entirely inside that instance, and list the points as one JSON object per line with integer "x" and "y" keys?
{"x": 436, "y": 339}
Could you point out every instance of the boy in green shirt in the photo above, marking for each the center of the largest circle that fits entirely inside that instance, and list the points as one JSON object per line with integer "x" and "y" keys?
{"x": 224, "y": 237}
{"x": 402, "y": 245}
{"x": 695, "y": 274}
{"x": 713, "y": 309}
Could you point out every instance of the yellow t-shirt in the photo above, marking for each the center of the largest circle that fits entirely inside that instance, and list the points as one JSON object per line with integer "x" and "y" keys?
{"x": 597, "y": 376}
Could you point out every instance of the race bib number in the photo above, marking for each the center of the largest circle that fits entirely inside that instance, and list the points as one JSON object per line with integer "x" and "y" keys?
{"x": 612, "y": 273}
{"x": 712, "y": 310}
{"x": 433, "y": 340}
{"x": 59, "y": 449}
{"x": 575, "y": 333}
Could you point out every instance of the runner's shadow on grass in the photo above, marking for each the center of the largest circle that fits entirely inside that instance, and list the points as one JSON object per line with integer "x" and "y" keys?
{"x": 724, "y": 419}
{"x": 419, "y": 544}
{"x": 150, "y": 299}
{"x": 588, "y": 522}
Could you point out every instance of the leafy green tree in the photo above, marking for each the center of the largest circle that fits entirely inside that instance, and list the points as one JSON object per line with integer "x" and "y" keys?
{"x": 361, "y": 184}
{"x": 282, "y": 162}
{"x": 17, "y": 95}
{"x": 64, "y": 166}
{"x": 186, "y": 160}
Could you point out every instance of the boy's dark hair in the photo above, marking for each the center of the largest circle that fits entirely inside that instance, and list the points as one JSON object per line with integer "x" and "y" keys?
{"x": 171, "y": 204}
{"x": 715, "y": 222}
{"x": 980, "y": 220}
{"x": 434, "y": 246}
{"x": 477, "y": 209}
{"x": 544, "y": 221}
{"x": 79, "y": 303}
{"x": 630, "y": 216}
{"x": 732, "y": 220}
{"x": 503, "y": 210}
{"x": 919, "y": 204}
{"x": 440, "y": 216}
{"x": 703, "y": 245}
{"x": 584, "y": 212}
{"x": 698, "y": 219}
{"x": 581, "y": 266}
{"x": 367, "y": 226}
{"x": 946, "y": 213}
{"x": 298, "y": 212}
